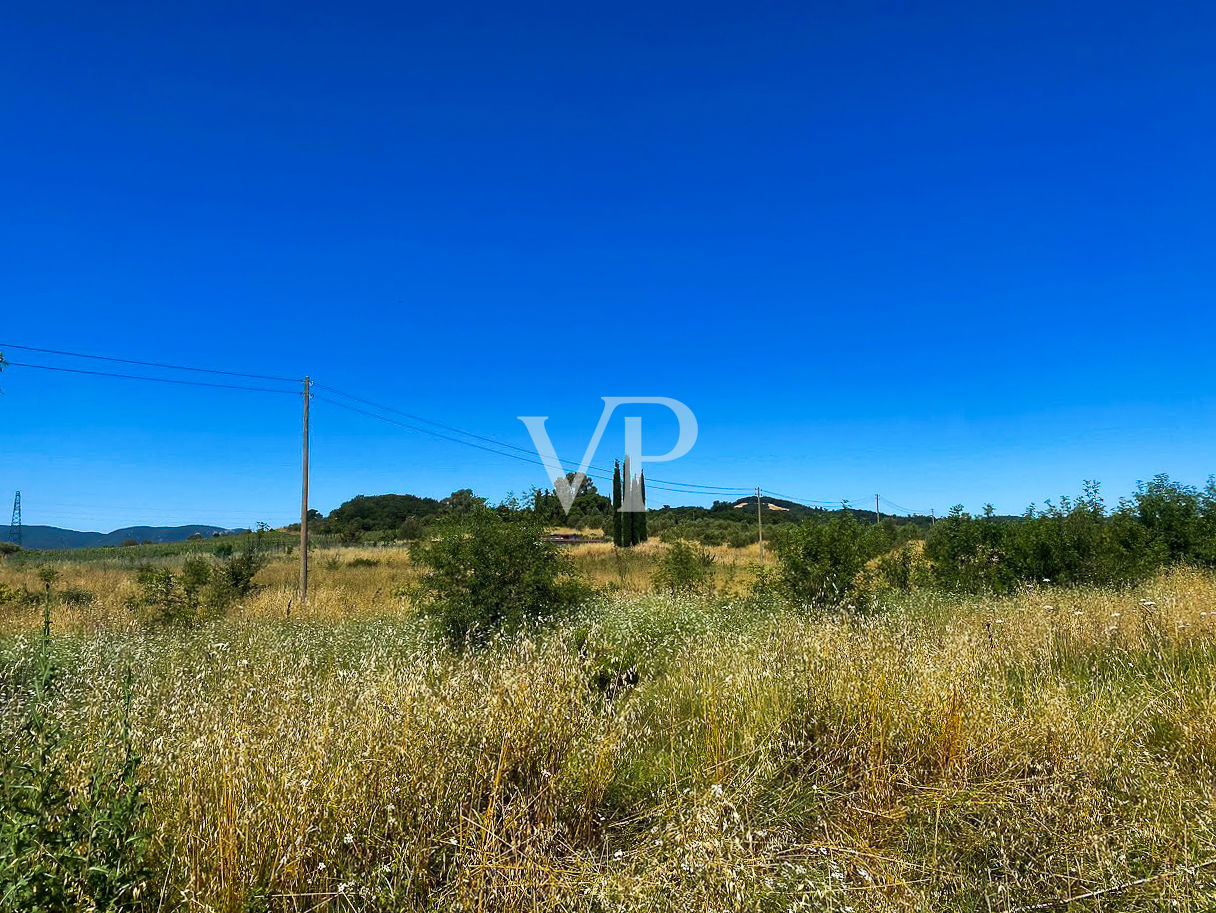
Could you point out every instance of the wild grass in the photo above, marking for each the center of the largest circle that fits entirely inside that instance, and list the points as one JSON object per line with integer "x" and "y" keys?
{"x": 649, "y": 753}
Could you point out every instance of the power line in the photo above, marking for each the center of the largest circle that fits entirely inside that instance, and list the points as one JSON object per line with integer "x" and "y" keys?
{"x": 601, "y": 474}
{"x": 498, "y": 447}
{"x": 907, "y": 510}
{"x": 428, "y": 431}
{"x": 419, "y": 418}
{"x": 159, "y": 380}
{"x": 808, "y": 502}
{"x": 531, "y": 460}
{"x": 149, "y": 364}
{"x": 510, "y": 446}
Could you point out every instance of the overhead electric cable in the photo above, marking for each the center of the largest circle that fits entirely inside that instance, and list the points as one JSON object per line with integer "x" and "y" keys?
{"x": 151, "y": 364}
{"x": 159, "y": 380}
{"x": 525, "y": 450}
{"x": 531, "y": 460}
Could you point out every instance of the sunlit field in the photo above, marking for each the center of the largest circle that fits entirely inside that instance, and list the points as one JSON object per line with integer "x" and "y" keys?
{"x": 724, "y": 752}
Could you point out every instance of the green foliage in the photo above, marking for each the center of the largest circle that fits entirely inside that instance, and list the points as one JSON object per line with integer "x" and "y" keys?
{"x": 588, "y": 510}
{"x": 900, "y": 569}
{"x": 232, "y": 579}
{"x": 709, "y": 531}
{"x": 483, "y": 573}
{"x": 163, "y": 600}
{"x": 77, "y": 597}
{"x": 411, "y": 528}
{"x": 65, "y": 847}
{"x": 967, "y": 553}
{"x": 821, "y": 563}
{"x": 347, "y": 533}
{"x": 16, "y": 596}
{"x": 766, "y": 592}
{"x": 618, "y": 522}
{"x": 1180, "y": 520}
{"x": 1077, "y": 542}
{"x": 685, "y": 568}
{"x": 629, "y": 527}
{"x": 381, "y": 513}
{"x": 202, "y": 589}
{"x": 461, "y": 502}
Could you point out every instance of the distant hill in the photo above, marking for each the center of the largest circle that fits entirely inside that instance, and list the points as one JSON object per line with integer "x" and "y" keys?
{"x": 55, "y": 537}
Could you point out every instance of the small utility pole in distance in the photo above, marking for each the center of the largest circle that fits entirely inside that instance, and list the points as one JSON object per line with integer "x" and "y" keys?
{"x": 760, "y": 523}
{"x": 304, "y": 502}
{"x": 877, "y": 514}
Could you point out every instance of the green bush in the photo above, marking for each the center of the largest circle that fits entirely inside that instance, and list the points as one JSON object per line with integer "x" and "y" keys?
{"x": 900, "y": 569}
{"x": 77, "y": 597}
{"x": 232, "y": 578}
{"x": 483, "y": 573}
{"x": 968, "y": 553}
{"x": 202, "y": 589}
{"x": 685, "y": 568}
{"x": 163, "y": 599}
{"x": 1077, "y": 542}
{"x": 66, "y": 846}
{"x": 821, "y": 563}
{"x": 16, "y": 596}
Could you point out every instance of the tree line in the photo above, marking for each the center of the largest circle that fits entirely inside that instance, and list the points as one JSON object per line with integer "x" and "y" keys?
{"x": 1078, "y": 541}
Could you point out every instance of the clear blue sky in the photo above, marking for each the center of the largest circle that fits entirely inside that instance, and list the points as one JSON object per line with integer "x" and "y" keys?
{"x": 950, "y": 252}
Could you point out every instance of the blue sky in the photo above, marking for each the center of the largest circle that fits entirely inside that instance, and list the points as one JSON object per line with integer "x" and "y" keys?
{"x": 949, "y": 252}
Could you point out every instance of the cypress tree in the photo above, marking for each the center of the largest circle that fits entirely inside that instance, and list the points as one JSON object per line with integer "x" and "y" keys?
{"x": 630, "y": 492}
{"x": 642, "y": 534}
{"x": 617, "y": 492}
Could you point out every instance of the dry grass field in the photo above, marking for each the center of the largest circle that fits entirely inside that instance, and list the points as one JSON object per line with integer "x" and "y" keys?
{"x": 1051, "y": 750}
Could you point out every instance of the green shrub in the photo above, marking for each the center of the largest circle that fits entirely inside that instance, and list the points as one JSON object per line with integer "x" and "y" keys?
{"x": 16, "y": 596}
{"x": 766, "y": 591}
{"x": 483, "y": 573}
{"x": 820, "y": 563}
{"x": 202, "y": 589}
{"x": 968, "y": 553}
{"x": 162, "y": 600}
{"x": 900, "y": 569}
{"x": 64, "y": 846}
{"x": 77, "y": 597}
{"x": 1077, "y": 542}
{"x": 685, "y": 568}
{"x": 232, "y": 578}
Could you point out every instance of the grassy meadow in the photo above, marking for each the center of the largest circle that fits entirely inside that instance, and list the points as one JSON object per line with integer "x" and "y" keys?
{"x": 1051, "y": 749}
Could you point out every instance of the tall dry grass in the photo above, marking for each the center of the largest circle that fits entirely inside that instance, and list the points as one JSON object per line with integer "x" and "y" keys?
{"x": 658, "y": 754}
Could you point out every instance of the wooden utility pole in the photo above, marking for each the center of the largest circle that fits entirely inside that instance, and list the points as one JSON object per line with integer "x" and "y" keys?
{"x": 877, "y": 513}
{"x": 760, "y": 523}
{"x": 304, "y": 502}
